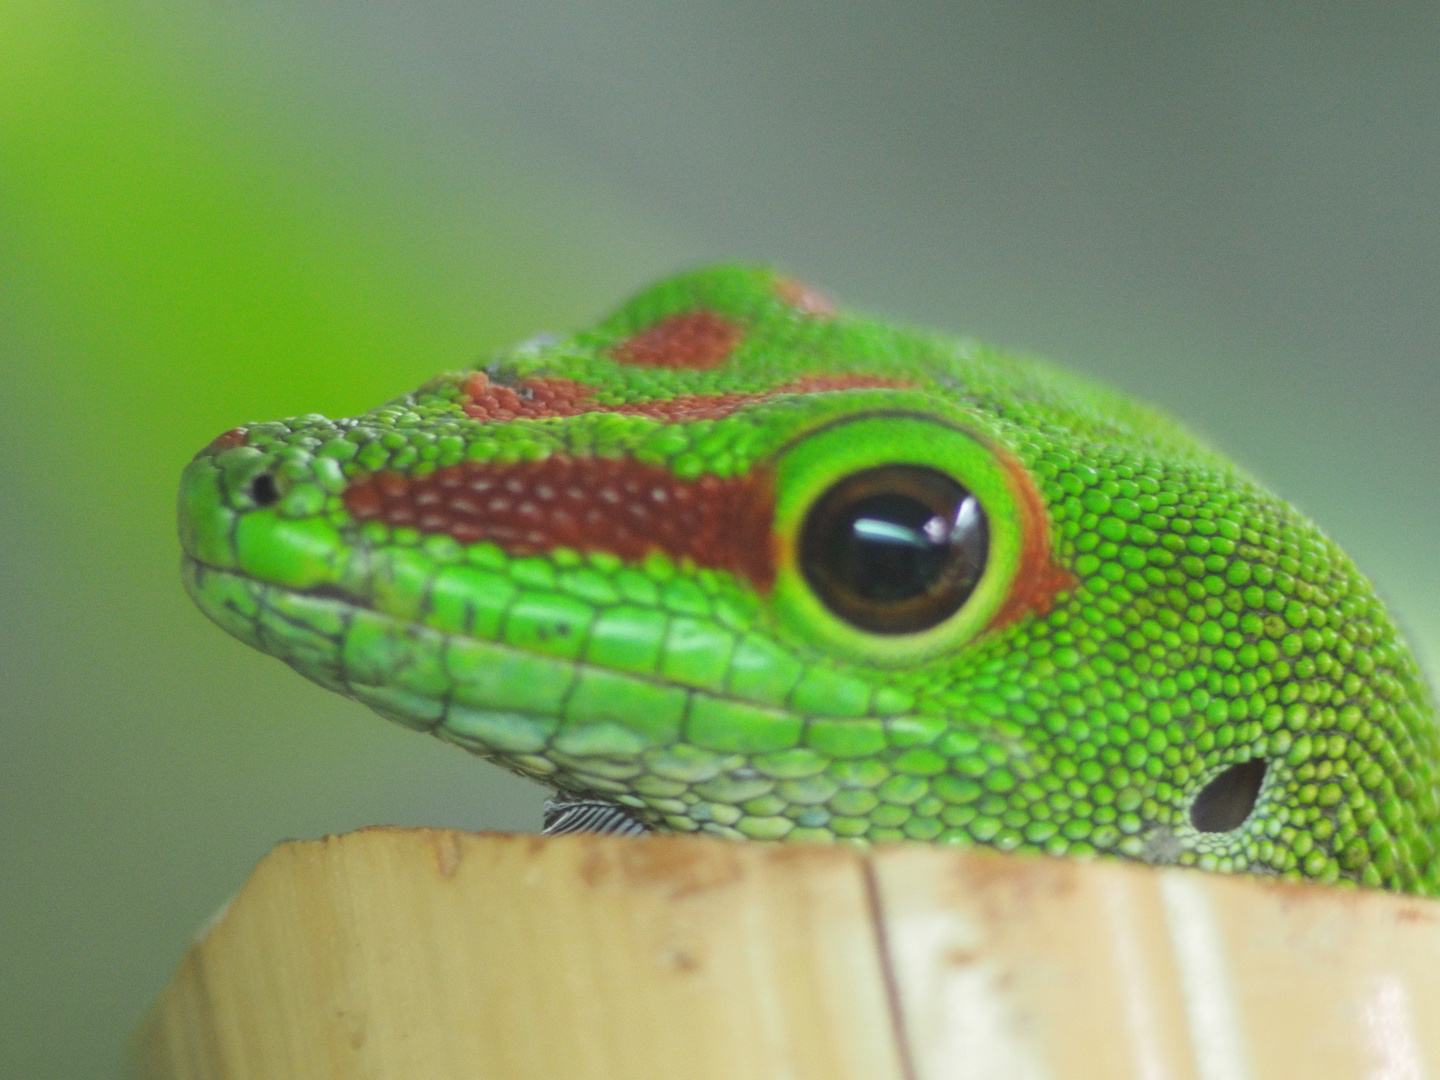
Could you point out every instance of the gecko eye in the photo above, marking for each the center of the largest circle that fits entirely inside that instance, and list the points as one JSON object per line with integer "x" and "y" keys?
{"x": 1227, "y": 800}
{"x": 896, "y": 549}
{"x": 264, "y": 491}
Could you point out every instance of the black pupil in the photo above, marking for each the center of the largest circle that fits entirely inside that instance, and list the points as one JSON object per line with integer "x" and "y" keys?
{"x": 892, "y": 547}
{"x": 895, "y": 549}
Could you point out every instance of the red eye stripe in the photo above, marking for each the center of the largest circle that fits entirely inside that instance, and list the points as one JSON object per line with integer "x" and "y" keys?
{"x": 588, "y": 504}
{"x": 1039, "y": 578}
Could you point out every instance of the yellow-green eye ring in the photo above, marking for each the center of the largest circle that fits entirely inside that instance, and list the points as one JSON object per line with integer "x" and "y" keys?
{"x": 918, "y": 479}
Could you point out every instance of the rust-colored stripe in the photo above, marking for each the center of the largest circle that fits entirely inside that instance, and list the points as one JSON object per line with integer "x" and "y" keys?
{"x": 530, "y": 399}
{"x": 693, "y": 341}
{"x": 1039, "y": 578}
{"x": 588, "y": 504}
{"x": 546, "y": 397}
{"x": 226, "y": 440}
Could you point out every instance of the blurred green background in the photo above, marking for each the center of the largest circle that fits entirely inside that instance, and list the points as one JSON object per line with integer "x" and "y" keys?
{"x": 221, "y": 212}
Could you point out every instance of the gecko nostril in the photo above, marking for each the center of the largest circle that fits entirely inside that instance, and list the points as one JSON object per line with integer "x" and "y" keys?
{"x": 264, "y": 491}
{"x": 1227, "y": 800}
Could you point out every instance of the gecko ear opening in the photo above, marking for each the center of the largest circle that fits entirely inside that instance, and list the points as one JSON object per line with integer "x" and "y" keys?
{"x": 1228, "y": 799}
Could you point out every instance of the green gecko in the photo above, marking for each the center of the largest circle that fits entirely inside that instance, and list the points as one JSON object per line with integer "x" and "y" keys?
{"x": 737, "y": 562}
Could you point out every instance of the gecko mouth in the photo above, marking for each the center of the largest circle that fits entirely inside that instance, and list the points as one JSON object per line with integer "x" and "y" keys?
{"x": 194, "y": 570}
{"x": 335, "y": 592}
{"x": 566, "y": 723}
{"x": 291, "y": 624}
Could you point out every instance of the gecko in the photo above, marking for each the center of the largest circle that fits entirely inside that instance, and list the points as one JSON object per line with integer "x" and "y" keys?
{"x": 736, "y": 561}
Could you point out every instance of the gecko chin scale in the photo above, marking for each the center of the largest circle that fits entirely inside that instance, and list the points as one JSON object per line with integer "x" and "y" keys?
{"x": 1227, "y": 800}
{"x": 895, "y": 549}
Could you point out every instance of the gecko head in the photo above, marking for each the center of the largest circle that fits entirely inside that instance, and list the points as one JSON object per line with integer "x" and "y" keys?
{"x": 746, "y": 564}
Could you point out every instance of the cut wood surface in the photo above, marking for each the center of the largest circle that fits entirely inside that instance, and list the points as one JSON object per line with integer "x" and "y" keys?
{"x": 415, "y": 954}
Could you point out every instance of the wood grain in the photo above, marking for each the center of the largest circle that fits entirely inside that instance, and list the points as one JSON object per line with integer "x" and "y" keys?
{"x": 416, "y": 954}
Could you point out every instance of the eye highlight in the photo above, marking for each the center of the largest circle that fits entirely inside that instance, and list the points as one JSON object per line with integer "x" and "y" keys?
{"x": 895, "y": 549}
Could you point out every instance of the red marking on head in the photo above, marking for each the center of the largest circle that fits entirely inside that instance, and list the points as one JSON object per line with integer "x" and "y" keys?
{"x": 589, "y": 504}
{"x": 804, "y": 299}
{"x": 542, "y": 398}
{"x": 532, "y": 399}
{"x": 820, "y": 384}
{"x": 693, "y": 341}
{"x": 226, "y": 440}
{"x": 1038, "y": 579}
{"x": 719, "y": 406}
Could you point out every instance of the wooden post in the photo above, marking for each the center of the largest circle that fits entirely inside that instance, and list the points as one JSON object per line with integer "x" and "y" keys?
{"x": 420, "y": 954}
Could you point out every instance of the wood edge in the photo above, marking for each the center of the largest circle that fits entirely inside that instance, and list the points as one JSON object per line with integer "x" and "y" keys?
{"x": 175, "y": 1042}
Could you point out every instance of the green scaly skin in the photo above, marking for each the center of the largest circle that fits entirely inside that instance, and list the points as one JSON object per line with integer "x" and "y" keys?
{"x": 1186, "y": 619}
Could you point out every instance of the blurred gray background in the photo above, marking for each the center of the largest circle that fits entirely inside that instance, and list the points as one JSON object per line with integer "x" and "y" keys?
{"x": 217, "y": 213}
